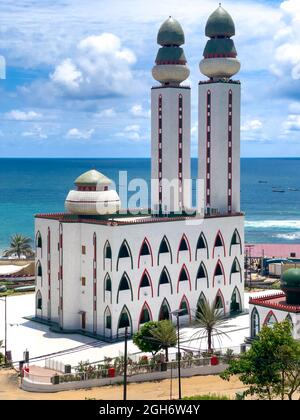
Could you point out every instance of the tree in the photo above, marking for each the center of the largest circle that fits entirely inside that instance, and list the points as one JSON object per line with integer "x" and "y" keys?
{"x": 271, "y": 367}
{"x": 1, "y": 355}
{"x": 165, "y": 336}
{"x": 209, "y": 319}
{"x": 143, "y": 339}
{"x": 19, "y": 245}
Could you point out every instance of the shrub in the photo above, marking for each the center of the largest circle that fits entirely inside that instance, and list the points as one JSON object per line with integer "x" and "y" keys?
{"x": 207, "y": 397}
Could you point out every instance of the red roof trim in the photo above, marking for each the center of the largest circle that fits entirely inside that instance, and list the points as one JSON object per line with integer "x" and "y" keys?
{"x": 268, "y": 301}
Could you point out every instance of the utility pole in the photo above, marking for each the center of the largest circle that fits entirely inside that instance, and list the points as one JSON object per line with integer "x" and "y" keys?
{"x": 125, "y": 365}
{"x": 5, "y": 329}
{"x": 177, "y": 314}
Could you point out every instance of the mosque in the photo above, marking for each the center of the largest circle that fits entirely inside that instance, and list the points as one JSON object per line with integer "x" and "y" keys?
{"x": 100, "y": 269}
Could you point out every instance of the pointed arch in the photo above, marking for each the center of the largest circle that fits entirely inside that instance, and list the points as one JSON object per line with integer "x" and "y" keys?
{"x": 270, "y": 319}
{"x": 165, "y": 310}
{"x": 219, "y": 302}
{"x": 107, "y": 286}
{"x": 145, "y": 314}
{"x": 202, "y": 274}
{"x": 125, "y": 320}
{"x": 185, "y": 306}
{"x": 164, "y": 278}
{"x": 38, "y": 301}
{"x": 235, "y": 301}
{"x": 107, "y": 254}
{"x": 219, "y": 271}
{"x": 38, "y": 240}
{"x": 289, "y": 318}
{"x": 125, "y": 284}
{"x": 202, "y": 298}
{"x": 38, "y": 269}
{"x": 236, "y": 268}
{"x": 124, "y": 252}
{"x": 236, "y": 240}
{"x": 107, "y": 322}
{"x": 201, "y": 244}
{"x": 255, "y": 323}
{"x": 219, "y": 242}
{"x": 184, "y": 275}
{"x": 165, "y": 248}
{"x": 145, "y": 282}
{"x": 145, "y": 250}
{"x": 184, "y": 245}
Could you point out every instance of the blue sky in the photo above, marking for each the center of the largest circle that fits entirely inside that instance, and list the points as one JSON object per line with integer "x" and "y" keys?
{"x": 79, "y": 74}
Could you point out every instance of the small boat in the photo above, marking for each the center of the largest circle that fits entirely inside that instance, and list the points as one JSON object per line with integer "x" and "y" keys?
{"x": 293, "y": 189}
{"x": 278, "y": 190}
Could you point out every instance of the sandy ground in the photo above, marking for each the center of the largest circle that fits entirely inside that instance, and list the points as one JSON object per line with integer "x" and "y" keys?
{"x": 196, "y": 385}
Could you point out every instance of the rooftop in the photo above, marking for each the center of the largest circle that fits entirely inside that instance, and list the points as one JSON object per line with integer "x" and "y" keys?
{"x": 276, "y": 301}
{"x": 275, "y": 250}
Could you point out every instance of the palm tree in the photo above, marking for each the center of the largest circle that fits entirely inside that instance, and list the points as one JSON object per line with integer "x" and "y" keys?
{"x": 19, "y": 245}
{"x": 209, "y": 319}
{"x": 165, "y": 335}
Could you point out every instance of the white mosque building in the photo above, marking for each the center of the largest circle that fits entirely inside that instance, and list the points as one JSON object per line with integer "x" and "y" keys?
{"x": 99, "y": 269}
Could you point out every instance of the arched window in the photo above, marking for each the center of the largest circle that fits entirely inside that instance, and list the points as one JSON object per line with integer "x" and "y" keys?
{"x": 219, "y": 274}
{"x": 107, "y": 283}
{"x": 39, "y": 300}
{"x": 219, "y": 243}
{"x": 107, "y": 250}
{"x": 201, "y": 301}
{"x": 184, "y": 276}
{"x": 219, "y": 302}
{"x": 165, "y": 248}
{"x": 236, "y": 240}
{"x": 145, "y": 315}
{"x": 38, "y": 240}
{"x": 236, "y": 301}
{"x": 184, "y": 246}
{"x": 39, "y": 271}
{"x": 145, "y": 282}
{"x": 270, "y": 319}
{"x": 164, "y": 279}
{"x": 202, "y": 275}
{"x": 124, "y": 252}
{"x": 202, "y": 245}
{"x": 124, "y": 285}
{"x": 145, "y": 250}
{"x": 255, "y": 323}
{"x": 184, "y": 307}
{"x": 125, "y": 320}
{"x": 164, "y": 312}
{"x": 236, "y": 269}
{"x": 289, "y": 319}
{"x": 107, "y": 319}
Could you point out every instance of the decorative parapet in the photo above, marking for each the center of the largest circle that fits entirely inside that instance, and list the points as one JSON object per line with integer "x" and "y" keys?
{"x": 268, "y": 301}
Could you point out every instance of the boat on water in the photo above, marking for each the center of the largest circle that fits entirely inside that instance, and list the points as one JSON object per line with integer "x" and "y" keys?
{"x": 293, "y": 189}
{"x": 279, "y": 190}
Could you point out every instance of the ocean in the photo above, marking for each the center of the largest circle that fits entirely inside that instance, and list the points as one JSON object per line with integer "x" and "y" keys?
{"x": 30, "y": 186}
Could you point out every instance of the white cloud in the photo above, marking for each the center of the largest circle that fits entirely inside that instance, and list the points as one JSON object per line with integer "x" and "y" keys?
{"x": 75, "y": 133}
{"x": 36, "y": 132}
{"x": 134, "y": 127}
{"x": 252, "y": 125}
{"x": 100, "y": 66}
{"x": 292, "y": 123}
{"x": 18, "y": 115}
{"x": 132, "y": 132}
{"x": 106, "y": 113}
{"x": 137, "y": 110}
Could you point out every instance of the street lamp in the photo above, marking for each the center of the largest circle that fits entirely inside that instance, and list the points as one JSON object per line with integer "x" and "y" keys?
{"x": 248, "y": 248}
{"x": 5, "y": 328}
{"x": 125, "y": 365}
{"x": 177, "y": 314}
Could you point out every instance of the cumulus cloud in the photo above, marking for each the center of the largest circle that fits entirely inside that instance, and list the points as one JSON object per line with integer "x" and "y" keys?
{"x": 252, "y": 125}
{"x": 18, "y": 115}
{"x": 292, "y": 123}
{"x": 101, "y": 66}
{"x": 131, "y": 132}
{"x": 137, "y": 110}
{"x": 75, "y": 133}
{"x": 35, "y": 132}
{"x": 106, "y": 113}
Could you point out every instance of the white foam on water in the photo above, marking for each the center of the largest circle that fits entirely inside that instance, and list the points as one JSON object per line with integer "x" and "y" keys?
{"x": 271, "y": 224}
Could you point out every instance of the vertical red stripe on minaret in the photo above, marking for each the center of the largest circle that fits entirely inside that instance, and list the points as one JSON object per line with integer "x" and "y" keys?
{"x": 160, "y": 152}
{"x": 208, "y": 147}
{"x": 95, "y": 284}
{"x": 49, "y": 272}
{"x": 180, "y": 157}
{"x": 229, "y": 192}
{"x": 61, "y": 274}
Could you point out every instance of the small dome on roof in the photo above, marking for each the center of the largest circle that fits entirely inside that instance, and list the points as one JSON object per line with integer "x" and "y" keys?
{"x": 92, "y": 177}
{"x": 170, "y": 33}
{"x": 220, "y": 23}
{"x": 291, "y": 278}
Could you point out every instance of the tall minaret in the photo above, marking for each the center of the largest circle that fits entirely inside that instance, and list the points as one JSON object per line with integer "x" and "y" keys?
{"x": 170, "y": 123}
{"x": 219, "y": 117}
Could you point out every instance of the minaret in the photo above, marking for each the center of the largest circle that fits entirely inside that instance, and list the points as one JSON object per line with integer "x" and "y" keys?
{"x": 219, "y": 117}
{"x": 170, "y": 123}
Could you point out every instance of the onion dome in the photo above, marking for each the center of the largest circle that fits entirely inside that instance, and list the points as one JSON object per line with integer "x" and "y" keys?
{"x": 220, "y": 60}
{"x": 290, "y": 284}
{"x": 93, "y": 196}
{"x": 170, "y": 64}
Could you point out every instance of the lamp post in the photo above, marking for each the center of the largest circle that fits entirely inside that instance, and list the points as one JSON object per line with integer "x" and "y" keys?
{"x": 125, "y": 365}
{"x": 5, "y": 328}
{"x": 177, "y": 313}
{"x": 248, "y": 252}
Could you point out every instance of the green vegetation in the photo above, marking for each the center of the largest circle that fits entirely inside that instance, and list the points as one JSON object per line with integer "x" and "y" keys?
{"x": 209, "y": 319}
{"x": 207, "y": 397}
{"x": 143, "y": 339}
{"x": 165, "y": 336}
{"x": 271, "y": 368}
{"x": 19, "y": 245}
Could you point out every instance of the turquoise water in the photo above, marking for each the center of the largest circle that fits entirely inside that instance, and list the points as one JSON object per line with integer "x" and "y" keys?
{"x": 30, "y": 186}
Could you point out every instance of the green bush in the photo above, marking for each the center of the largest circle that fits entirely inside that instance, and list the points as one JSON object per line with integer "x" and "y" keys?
{"x": 207, "y": 397}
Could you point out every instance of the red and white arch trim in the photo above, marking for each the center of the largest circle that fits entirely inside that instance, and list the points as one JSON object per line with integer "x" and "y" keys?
{"x": 184, "y": 238}
{"x": 184, "y": 267}
{"x": 145, "y": 306}
{"x": 145, "y": 273}
{"x": 219, "y": 263}
{"x": 219, "y": 234}
{"x": 145, "y": 241}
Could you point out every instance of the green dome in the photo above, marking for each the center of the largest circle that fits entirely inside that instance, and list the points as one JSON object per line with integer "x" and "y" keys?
{"x": 220, "y": 23}
{"x": 92, "y": 177}
{"x": 291, "y": 278}
{"x": 170, "y": 55}
{"x": 170, "y": 33}
{"x": 220, "y": 47}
